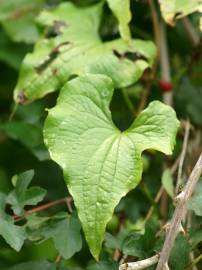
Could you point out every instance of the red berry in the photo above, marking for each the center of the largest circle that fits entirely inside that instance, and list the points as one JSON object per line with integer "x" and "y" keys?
{"x": 165, "y": 86}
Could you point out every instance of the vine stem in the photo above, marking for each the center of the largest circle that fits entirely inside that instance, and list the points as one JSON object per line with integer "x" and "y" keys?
{"x": 66, "y": 200}
{"x": 179, "y": 213}
{"x": 140, "y": 264}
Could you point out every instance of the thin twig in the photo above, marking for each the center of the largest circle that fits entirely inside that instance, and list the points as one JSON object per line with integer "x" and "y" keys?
{"x": 13, "y": 112}
{"x": 182, "y": 155}
{"x": 58, "y": 259}
{"x": 190, "y": 31}
{"x": 165, "y": 64}
{"x": 156, "y": 30}
{"x": 194, "y": 262}
{"x": 44, "y": 207}
{"x": 160, "y": 192}
{"x": 140, "y": 264}
{"x": 156, "y": 27}
{"x": 179, "y": 213}
{"x": 156, "y": 200}
{"x": 167, "y": 96}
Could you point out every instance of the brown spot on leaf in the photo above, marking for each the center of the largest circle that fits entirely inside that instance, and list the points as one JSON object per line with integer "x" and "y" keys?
{"x": 54, "y": 71}
{"x": 21, "y": 98}
{"x": 132, "y": 56}
{"x": 51, "y": 57}
{"x": 177, "y": 14}
{"x": 56, "y": 29}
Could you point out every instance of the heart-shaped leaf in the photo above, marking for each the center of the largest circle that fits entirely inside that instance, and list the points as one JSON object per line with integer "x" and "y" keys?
{"x": 101, "y": 163}
{"x": 71, "y": 45}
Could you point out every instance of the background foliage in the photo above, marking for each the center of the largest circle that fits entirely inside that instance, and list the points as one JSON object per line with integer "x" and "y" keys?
{"x": 39, "y": 226}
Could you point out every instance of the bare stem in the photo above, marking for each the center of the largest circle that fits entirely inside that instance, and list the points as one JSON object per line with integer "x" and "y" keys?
{"x": 179, "y": 213}
{"x": 160, "y": 192}
{"x": 156, "y": 30}
{"x": 182, "y": 156}
{"x": 190, "y": 31}
{"x": 140, "y": 264}
{"x": 66, "y": 200}
{"x": 165, "y": 64}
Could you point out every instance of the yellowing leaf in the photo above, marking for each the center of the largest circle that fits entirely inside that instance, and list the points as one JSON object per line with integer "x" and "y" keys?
{"x": 121, "y": 9}
{"x": 175, "y": 9}
{"x": 72, "y": 46}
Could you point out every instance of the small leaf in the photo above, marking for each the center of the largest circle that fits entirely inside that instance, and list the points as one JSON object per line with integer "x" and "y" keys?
{"x": 66, "y": 236}
{"x": 70, "y": 48}
{"x": 13, "y": 235}
{"x": 121, "y": 9}
{"x": 132, "y": 246}
{"x": 175, "y": 9}
{"x": 195, "y": 202}
{"x": 101, "y": 163}
{"x": 22, "y": 196}
{"x": 167, "y": 182}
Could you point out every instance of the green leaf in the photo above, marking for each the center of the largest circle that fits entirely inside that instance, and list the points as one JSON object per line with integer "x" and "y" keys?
{"x": 13, "y": 235}
{"x": 19, "y": 131}
{"x": 101, "y": 163}
{"x": 175, "y": 9}
{"x": 167, "y": 182}
{"x": 17, "y": 18}
{"x": 22, "y": 196}
{"x": 66, "y": 236}
{"x": 33, "y": 265}
{"x": 179, "y": 257}
{"x": 70, "y": 48}
{"x": 121, "y": 9}
{"x": 195, "y": 203}
{"x": 132, "y": 246}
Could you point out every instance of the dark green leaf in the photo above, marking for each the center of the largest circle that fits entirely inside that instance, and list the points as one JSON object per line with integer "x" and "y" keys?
{"x": 180, "y": 254}
{"x": 13, "y": 235}
{"x": 22, "y": 195}
{"x": 66, "y": 236}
